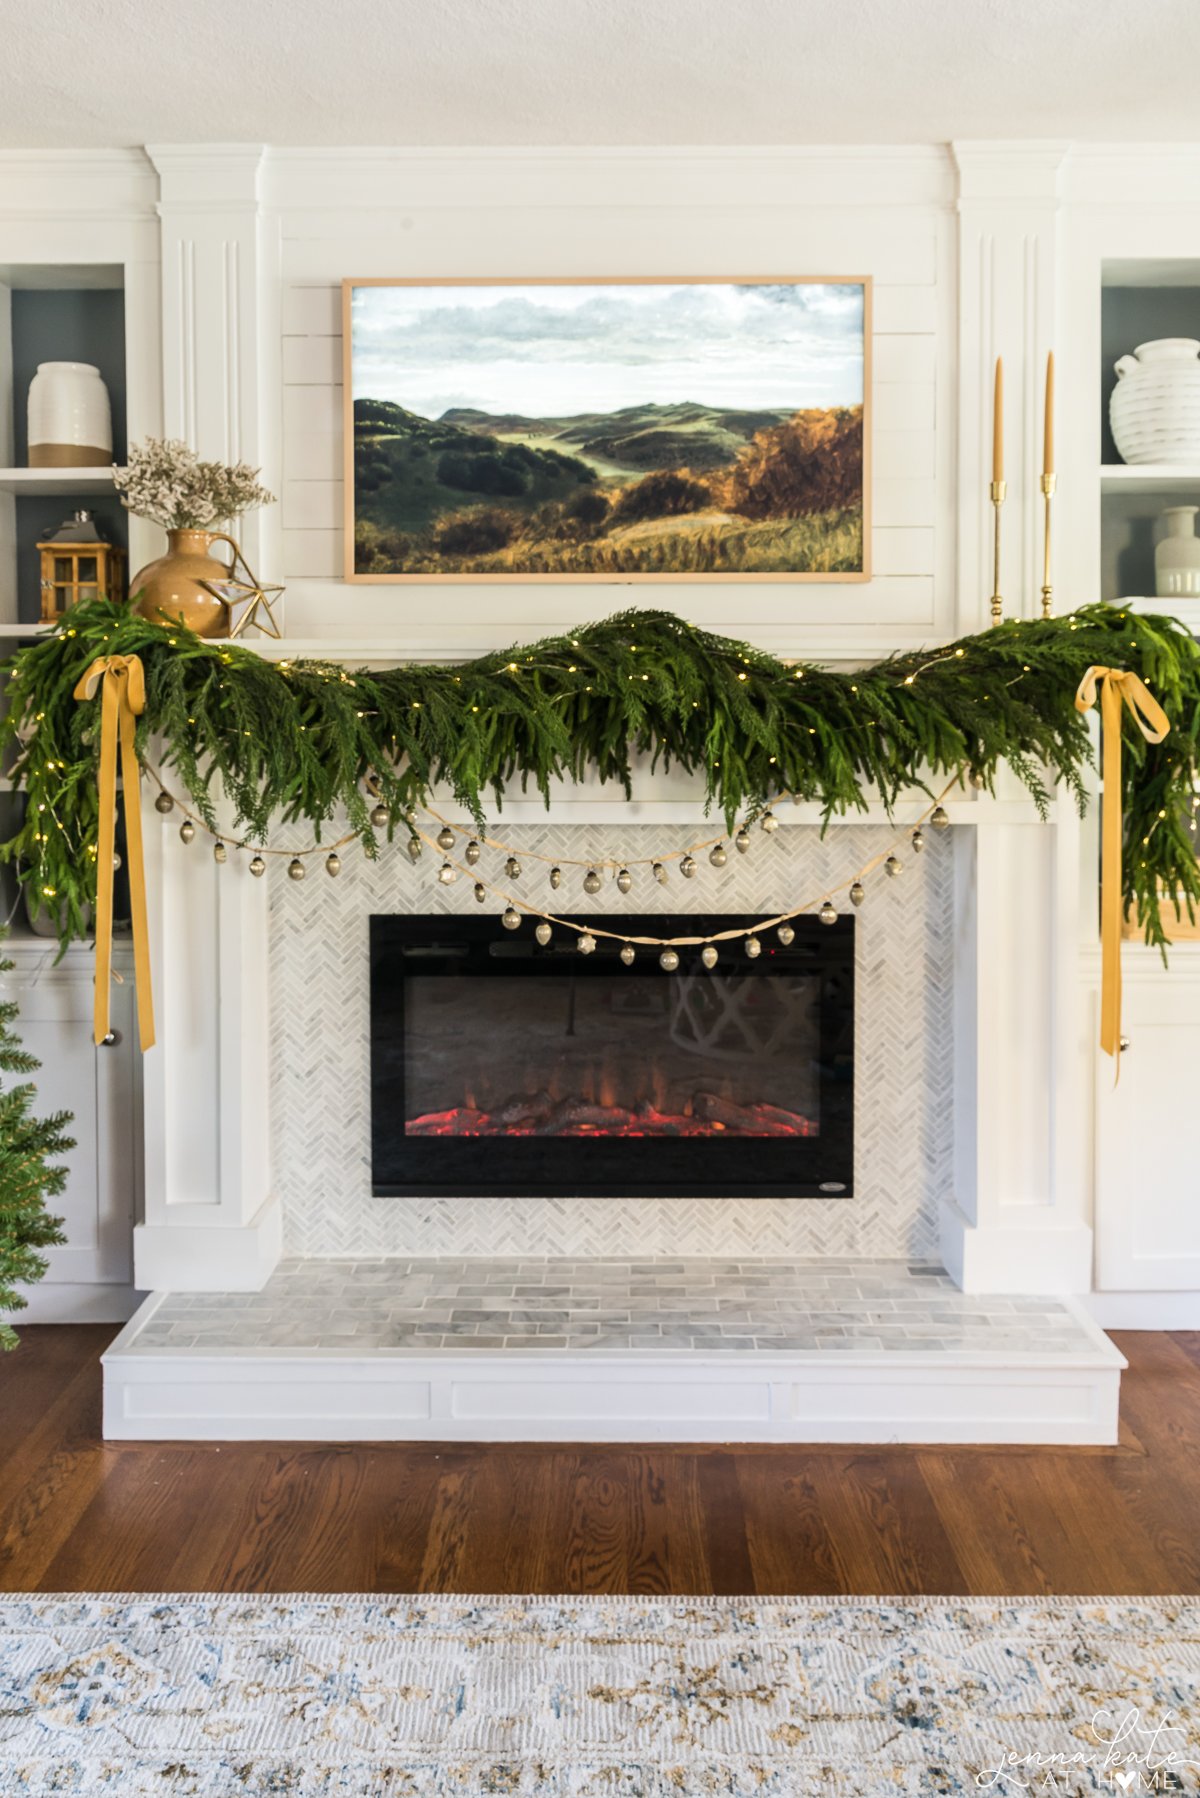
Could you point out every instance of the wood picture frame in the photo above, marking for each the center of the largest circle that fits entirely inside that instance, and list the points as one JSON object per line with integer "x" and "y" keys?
{"x": 746, "y": 491}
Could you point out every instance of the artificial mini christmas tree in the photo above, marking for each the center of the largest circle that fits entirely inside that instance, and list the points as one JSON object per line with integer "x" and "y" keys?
{"x": 26, "y": 1179}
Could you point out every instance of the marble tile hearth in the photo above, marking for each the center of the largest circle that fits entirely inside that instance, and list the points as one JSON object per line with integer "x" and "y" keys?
{"x": 611, "y": 1350}
{"x": 691, "y": 1304}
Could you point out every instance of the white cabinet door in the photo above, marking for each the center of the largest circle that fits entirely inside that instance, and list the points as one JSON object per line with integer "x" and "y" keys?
{"x": 100, "y": 1088}
{"x": 1148, "y": 1139}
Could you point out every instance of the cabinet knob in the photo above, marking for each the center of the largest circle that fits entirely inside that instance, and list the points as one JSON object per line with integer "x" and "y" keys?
{"x": 111, "y": 1040}
{"x": 1126, "y": 1045}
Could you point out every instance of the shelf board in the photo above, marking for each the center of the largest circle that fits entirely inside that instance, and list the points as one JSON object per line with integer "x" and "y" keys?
{"x": 9, "y": 631}
{"x": 1185, "y": 609}
{"x": 42, "y": 483}
{"x": 1150, "y": 477}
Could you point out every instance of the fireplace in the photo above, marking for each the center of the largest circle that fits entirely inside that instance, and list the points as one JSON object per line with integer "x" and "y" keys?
{"x": 503, "y": 1067}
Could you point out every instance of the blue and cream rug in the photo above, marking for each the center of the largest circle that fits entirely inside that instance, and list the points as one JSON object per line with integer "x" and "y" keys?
{"x": 308, "y": 1697}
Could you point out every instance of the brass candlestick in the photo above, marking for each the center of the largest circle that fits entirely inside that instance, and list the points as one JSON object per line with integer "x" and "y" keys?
{"x": 998, "y": 491}
{"x": 1047, "y": 589}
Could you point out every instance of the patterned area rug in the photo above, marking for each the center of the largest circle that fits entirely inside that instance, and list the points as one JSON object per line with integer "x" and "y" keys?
{"x": 596, "y": 1697}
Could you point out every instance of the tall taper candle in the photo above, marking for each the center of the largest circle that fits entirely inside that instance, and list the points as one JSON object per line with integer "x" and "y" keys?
{"x": 998, "y": 423}
{"x": 1048, "y": 441}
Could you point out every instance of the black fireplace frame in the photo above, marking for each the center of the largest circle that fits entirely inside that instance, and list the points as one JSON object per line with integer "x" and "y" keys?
{"x": 820, "y": 1166}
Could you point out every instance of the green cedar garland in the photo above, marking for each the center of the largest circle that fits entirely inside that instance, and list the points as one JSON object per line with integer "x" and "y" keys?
{"x": 297, "y": 742}
{"x": 26, "y": 1179}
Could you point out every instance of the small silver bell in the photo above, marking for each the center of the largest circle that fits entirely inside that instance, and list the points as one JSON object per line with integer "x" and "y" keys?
{"x": 587, "y": 943}
{"x": 447, "y": 874}
{"x": 414, "y": 846}
{"x": 892, "y": 867}
{"x": 333, "y": 864}
{"x": 708, "y": 955}
{"x": 556, "y": 878}
{"x": 786, "y": 935}
{"x": 742, "y": 841}
{"x": 379, "y": 816}
{"x": 511, "y": 919}
{"x": 668, "y": 961}
{"x": 473, "y": 853}
{"x": 445, "y": 837}
{"x": 543, "y": 933}
{"x": 769, "y": 822}
{"x": 828, "y": 912}
{"x": 660, "y": 874}
{"x": 718, "y": 855}
{"x": 480, "y": 891}
{"x": 258, "y": 867}
{"x": 628, "y": 954}
{"x": 918, "y": 840}
{"x": 296, "y": 869}
{"x": 591, "y": 881}
{"x": 164, "y": 804}
{"x": 187, "y": 831}
{"x": 624, "y": 880}
{"x": 512, "y": 868}
{"x": 940, "y": 818}
{"x": 220, "y": 853}
{"x": 753, "y": 947}
{"x": 687, "y": 867}
{"x": 858, "y": 893}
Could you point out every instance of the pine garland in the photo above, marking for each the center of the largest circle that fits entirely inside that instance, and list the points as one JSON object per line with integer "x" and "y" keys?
{"x": 298, "y": 741}
{"x": 26, "y": 1182}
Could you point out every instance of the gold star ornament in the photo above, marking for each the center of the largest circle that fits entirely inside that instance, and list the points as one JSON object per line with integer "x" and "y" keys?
{"x": 247, "y": 600}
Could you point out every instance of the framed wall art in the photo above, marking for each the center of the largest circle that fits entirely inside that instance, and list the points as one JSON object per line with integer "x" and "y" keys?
{"x": 671, "y": 430}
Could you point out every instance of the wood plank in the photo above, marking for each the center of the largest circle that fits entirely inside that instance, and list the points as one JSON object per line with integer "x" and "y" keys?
{"x": 76, "y": 1513}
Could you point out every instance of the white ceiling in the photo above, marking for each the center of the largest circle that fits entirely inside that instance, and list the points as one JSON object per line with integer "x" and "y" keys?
{"x": 443, "y": 72}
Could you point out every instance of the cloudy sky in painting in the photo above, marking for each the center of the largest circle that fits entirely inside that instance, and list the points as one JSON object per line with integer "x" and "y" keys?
{"x": 549, "y": 351}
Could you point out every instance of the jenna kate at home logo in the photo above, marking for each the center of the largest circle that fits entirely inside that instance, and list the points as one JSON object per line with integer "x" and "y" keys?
{"x": 1132, "y": 1753}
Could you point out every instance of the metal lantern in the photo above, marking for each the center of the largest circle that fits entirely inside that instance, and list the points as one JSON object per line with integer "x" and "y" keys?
{"x": 77, "y": 563}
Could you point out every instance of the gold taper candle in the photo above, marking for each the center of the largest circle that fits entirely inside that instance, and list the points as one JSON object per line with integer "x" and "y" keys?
{"x": 998, "y": 423}
{"x": 1048, "y": 441}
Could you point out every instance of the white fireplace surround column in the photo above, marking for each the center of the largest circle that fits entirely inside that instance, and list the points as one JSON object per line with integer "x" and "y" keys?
{"x": 212, "y": 1219}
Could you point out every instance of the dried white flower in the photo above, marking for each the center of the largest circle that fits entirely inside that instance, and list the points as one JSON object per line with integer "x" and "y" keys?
{"x": 166, "y": 482}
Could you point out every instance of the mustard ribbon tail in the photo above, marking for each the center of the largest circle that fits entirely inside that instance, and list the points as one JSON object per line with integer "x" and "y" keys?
{"x": 121, "y": 682}
{"x": 1115, "y": 687}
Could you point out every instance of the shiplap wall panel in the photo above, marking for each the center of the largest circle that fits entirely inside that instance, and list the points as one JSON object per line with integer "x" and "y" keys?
{"x": 456, "y": 216}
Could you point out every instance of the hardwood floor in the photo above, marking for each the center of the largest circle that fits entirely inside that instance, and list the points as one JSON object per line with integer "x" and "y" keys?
{"x": 77, "y": 1514}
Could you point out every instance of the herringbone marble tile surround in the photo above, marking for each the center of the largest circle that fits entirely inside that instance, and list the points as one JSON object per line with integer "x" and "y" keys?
{"x": 320, "y": 1068}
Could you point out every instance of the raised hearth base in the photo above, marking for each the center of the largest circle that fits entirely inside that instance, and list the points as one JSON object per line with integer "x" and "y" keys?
{"x": 611, "y": 1351}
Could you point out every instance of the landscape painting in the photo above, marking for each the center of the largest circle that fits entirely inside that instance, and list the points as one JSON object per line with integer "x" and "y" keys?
{"x": 601, "y": 430}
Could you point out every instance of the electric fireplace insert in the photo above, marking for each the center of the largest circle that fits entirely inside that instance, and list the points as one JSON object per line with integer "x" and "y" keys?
{"x": 500, "y": 1066}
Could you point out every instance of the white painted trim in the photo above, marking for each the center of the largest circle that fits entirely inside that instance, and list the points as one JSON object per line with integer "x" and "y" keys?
{"x": 1144, "y": 1310}
{"x": 632, "y": 1396}
{"x": 75, "y": 1302}
{"x": 1041, "y": 1254}
{"x": 216, "y": 1257}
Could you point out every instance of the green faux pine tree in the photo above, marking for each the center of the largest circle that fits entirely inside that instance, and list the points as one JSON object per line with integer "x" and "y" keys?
{"x": 26, "y": 1178}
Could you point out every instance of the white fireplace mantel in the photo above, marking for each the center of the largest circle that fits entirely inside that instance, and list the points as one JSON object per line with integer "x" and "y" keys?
{"x": 213, "y": 1218}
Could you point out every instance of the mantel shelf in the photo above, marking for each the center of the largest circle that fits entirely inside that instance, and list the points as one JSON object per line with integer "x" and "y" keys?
{"x": 1150, "y": 477}
{"x": 43, "y": 483}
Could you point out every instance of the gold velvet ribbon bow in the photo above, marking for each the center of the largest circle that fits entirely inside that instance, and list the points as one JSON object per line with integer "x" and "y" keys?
{"x": 122, "y": 682}
{"x": 1116, "y": 686}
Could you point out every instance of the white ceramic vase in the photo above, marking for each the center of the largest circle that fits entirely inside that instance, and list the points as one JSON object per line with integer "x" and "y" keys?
{"x": 70, "y": 420}
{"x": 1155, "y": 406}
{"x": 1177, "y": 557}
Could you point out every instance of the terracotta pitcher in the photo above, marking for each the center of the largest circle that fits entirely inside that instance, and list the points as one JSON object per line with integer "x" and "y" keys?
{"x": 170, "y": 590}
